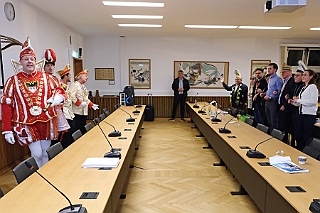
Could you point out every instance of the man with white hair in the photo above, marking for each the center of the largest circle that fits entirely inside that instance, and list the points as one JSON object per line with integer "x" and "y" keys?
{"x": 80, "y": 101}
{"x": 239, "y": 91}
{"x": 26, "y": 113}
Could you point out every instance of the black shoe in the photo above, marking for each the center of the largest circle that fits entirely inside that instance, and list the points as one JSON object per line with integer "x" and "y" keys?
{"x": 182, "y": 120}
{"x": 171, "y": 119}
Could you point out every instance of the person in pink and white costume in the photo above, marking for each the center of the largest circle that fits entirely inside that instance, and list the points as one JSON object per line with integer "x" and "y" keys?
{"x": 25, "y": 97}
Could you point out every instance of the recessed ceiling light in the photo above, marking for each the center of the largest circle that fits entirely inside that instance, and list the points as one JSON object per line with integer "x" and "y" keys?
{"x": 315, "y": 28}
{"x": 139, "y": 25}
{"x": 264, "y": 28}
{"x": 137, "y": 16}
{"x": 132, "y": 4}
{"x": 211, "y": 26}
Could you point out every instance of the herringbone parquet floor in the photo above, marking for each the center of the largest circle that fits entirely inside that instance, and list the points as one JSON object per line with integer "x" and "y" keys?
{"x": 174, "y": 174}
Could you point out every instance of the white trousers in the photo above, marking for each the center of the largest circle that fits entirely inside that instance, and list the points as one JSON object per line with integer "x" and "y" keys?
{"x": 38, "y": 151}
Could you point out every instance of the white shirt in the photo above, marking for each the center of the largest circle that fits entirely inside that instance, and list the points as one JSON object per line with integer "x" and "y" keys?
{"x": 308, "y": 100}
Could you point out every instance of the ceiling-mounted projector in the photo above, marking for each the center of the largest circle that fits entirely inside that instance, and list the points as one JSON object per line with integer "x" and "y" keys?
{"x": 283, "y": 6}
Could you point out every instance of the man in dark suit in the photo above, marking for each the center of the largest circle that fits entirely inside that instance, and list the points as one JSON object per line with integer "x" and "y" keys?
{"x": 285, "y": 111}
{"x": 180, "y": 86}
{"x": 260, "y": 86}
{"x": 239, "y": 92}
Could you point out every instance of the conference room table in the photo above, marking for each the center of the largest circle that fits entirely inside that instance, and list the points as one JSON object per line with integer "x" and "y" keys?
{"x": 65, "y": 171}
{"x": 266, "y": 185}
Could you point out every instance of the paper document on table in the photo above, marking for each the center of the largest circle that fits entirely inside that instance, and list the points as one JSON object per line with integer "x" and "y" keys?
{"x": 279, "y": 159}
{"x": 290, "y": 167}
{"x": 101, "y": 162}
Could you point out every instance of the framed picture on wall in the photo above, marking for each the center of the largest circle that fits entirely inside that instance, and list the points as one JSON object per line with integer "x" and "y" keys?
{"x": 140, "y": 73}
{"x": 263, "y": 64}
{"x": 203, "y": 74}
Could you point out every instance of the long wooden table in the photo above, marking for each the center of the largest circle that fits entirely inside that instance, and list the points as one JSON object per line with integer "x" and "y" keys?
{"x": 65, "y": 172}
{"x": 264, "y": 184}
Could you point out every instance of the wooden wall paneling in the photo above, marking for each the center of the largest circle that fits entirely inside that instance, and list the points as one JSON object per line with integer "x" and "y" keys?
{"x": 162, "y": 104}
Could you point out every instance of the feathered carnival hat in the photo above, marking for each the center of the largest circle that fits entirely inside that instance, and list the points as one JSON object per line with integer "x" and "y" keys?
{"x": 238, "y": 74}
{"x": 50, "y": 57}
{"x": 65, "y": 71}
{"x": 81, "y": 73}
{"x": 301, "y": 66}
{"x": 285, "y": 66}
{"x": 27, "y": 49}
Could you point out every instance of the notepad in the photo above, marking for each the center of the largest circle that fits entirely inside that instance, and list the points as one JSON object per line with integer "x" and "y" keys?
{"x": 101, "y": 162}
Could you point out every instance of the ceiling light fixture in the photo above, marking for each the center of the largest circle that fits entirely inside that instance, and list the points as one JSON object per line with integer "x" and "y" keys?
{"x": 264, "y": 28}
{"x": 211, "y": 26}
{"x": 139, "y": 25}
{"x": 315, "y": 28}
{"x": 137, "y": 17}
{"x": 132, "y": 4}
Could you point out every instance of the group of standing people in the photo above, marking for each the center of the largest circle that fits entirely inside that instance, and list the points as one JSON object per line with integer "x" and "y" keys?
{"x": 38, "y": 108}
{"x": 288, "y": 104}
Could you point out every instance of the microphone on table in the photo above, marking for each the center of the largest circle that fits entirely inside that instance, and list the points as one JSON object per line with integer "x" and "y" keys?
{"x": 115, "y": 133}
{"x": 138, "y": 106}
{"x": 224, "y": 129}
{"x": 202, "y": 110}
{"x": 214, "y": 118}
{"x": 131, "y": 119}
{"x": 114, "y": 153}
{"x": 255, "y": 153}
{"x": 135, "y": 111}
{"x": 192, "y": 102}
{"x": 77, "y": 208}
{"x": 195, "y": 102}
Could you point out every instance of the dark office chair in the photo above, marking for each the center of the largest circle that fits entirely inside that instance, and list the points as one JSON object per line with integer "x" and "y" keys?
{"x": 262, "y": 127}
{"x": 102, "y": 116}
{"x": 54, "y": 150}
{"x": 96, "y": 121}
{"x": 1, "y": 193}
{"x": 313, "y": 148}
{"x": 106, "y": 112}
{"x": 76, "y": 135}
{"x": 277, "y": 134}
{"x": 249, "y": 121}
{"x": 21, "y": 171}
{"x": 88, "y": 126}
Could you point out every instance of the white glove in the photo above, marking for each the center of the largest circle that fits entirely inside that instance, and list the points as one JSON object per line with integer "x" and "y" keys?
{"x": 84, "y": 104}
{"x": 9, "y": 137}
{"x": 95, "y": 106}
{"x": 56, "y": 100}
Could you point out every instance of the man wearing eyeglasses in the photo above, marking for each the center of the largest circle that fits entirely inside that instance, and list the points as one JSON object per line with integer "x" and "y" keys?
{"x": 27, "y": 117}
{"x": 285, "y": 111}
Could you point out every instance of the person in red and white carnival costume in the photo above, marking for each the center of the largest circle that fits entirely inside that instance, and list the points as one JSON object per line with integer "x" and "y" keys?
{"x": 50, "y": 59}
{"x": 80, "y": 100}
{"x": 25, "y": 96}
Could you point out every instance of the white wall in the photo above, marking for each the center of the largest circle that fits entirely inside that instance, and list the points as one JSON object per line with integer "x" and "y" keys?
{"x": 104, "y": 51}
{"x": 44, "y": 32}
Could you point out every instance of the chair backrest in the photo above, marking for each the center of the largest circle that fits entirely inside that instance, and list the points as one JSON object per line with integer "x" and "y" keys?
{"x": 88, "y": 126}
{"x": 249, "y": 121}
{"x": 21, "y": 171}
{"x": 54, "y": 150}
{"x": 96, "y": 121}
{"x": 311, "y": 152}
{"x": 277, "y": 134}
{"x": 106, "y": 112}
{"x": 262, "y": 127}
{"x": 76, "y": 135}
{"x": 315, "y": 144}
{"x": 102, "y": 116}
{"x": 1, "y": 193}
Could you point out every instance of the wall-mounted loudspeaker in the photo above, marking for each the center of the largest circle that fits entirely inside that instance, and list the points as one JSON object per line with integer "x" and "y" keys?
{"x": 129, "y": 91}
{"x": 80, "y": 52}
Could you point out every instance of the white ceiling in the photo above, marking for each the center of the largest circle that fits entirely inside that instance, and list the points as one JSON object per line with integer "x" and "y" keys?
{"x": 91, "y": 17}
